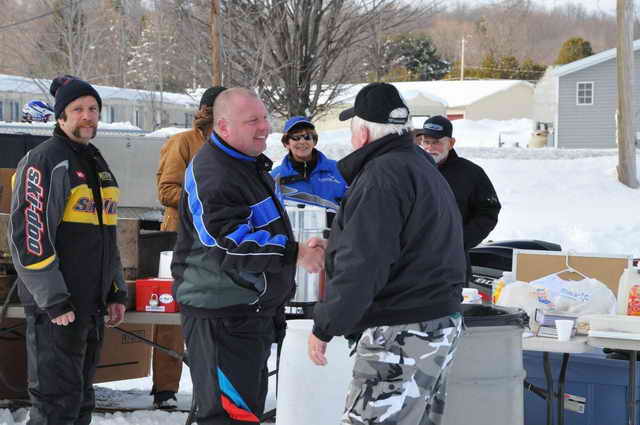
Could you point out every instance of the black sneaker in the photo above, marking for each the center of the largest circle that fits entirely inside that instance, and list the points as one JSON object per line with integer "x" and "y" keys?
{"x": 165, "y": 400}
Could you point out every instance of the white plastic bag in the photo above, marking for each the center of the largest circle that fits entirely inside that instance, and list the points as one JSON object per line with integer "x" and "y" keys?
{"x": 579, "y": 297}
{"x": 521, "y": 295}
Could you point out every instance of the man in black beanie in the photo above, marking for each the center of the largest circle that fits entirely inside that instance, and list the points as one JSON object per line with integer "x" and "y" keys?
{"x": 62, "y": 234}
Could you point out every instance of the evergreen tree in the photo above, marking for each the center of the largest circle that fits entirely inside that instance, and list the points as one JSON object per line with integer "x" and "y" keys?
{"x": 508, "y": 68}
{"x": 573, "y": 49}
{"x": 417, "y": 54}
{"x": 529, "y": 70}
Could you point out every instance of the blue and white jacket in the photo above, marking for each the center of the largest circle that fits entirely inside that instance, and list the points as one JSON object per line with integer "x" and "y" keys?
{"x": 324, "y": 187}
{"x": 235, "y": 254}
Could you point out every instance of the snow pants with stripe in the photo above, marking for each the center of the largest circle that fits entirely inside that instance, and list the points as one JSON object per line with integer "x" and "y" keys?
{"x": 228, "y": 363}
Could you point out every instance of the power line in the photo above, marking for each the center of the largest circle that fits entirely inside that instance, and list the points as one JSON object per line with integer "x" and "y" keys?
{"x": 35, "y": 18}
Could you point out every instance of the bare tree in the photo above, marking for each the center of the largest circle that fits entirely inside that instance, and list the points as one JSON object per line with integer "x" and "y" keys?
{"x": 298, "y": 53}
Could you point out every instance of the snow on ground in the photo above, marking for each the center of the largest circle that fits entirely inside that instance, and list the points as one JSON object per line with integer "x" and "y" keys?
{"x": 570, "y": 197}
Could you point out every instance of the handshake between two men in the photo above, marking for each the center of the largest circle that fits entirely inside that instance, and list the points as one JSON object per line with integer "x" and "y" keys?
{"x": 311, "y": 254}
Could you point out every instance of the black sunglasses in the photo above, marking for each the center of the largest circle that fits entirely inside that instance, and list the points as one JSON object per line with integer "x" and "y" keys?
{"x": 305, "y": 136}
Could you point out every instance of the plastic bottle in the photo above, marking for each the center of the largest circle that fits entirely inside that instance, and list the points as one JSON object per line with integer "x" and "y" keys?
{"x": 628, "y": 302}
{"x": 499, "y": 284}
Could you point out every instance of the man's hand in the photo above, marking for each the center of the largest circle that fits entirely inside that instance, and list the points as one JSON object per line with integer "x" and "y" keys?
{"x": 64, "y": 319}
{"x": 311, "y": 257}
{"x": 316, "y": 242}
{"x": 317, "y": 349}
{"x": 116, "y": 314}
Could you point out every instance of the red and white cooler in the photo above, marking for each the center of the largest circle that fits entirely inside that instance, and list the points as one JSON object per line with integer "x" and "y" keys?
{"x": 155, "y": 295}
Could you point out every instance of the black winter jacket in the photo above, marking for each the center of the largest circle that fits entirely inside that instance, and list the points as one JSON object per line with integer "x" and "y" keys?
{"x": 475, "y": 195}
{"x": 235, "y": 254}
{"x": 395, "y": 252}
{"x": 63, "y": 230}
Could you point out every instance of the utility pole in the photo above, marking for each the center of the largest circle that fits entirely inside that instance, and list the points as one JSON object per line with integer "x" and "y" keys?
{"x": 627, "y": 173}
{"x": 462, "y": 61}
{"x": 216, "y": 57}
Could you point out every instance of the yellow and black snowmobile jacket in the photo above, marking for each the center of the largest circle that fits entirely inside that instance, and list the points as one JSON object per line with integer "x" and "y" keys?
{"x": 62, "y": 230}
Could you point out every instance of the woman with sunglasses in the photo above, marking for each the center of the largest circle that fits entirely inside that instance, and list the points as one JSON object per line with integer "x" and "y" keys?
{"x": 305, "y": 174}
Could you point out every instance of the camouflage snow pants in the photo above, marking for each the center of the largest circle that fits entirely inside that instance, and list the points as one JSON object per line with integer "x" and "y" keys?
{"x": 400, "y": 373}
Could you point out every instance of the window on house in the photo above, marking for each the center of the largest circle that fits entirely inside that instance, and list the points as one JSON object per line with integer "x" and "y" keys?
{"x": 1, "y": 111}
{"x": 139, "y": 118}
{"x": 110, "y": 114}
{"x": 188, "y": 119}
{"x": 14, "y": 111}
{"x": 584, "y": 93}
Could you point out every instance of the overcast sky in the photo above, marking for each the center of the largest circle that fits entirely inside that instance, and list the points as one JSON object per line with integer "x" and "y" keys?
{"x": 608, "y": 6}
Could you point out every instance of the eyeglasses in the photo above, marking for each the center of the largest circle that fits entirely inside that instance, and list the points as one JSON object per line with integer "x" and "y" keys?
{"x": 305, "y": 136}
{"x": 429, "y": 141}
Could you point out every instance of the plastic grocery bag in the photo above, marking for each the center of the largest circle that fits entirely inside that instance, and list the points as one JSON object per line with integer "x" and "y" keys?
{"x": 519, "y": 294}
{"x": 575, "y": 297}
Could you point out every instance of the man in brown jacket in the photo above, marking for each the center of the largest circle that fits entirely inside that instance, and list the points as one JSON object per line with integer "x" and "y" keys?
{"x": 175, "y": 156}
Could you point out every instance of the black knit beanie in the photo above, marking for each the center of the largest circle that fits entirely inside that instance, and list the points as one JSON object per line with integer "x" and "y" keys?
{"x": 210, "y": 94}
{"x": 67, "y": 88}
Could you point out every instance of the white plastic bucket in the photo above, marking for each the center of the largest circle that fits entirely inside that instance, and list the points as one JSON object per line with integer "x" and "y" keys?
{"x": 310, "y": 394}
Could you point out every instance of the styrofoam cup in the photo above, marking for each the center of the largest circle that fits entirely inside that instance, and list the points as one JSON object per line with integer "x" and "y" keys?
{"x": 564, "y": 328}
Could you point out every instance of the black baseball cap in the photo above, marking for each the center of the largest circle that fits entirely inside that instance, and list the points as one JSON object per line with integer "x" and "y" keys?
{"x": 380, "y": 103}
{"x": 437, "y": 127}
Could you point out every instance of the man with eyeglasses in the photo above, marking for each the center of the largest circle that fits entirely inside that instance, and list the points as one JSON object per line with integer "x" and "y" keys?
{"x": 475, "y": 195}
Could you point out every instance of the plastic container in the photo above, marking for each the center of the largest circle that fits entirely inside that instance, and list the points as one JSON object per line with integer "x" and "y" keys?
{"x": 485, "y": 382}
{"x": 629, "y": 292}
{"x": 603, "y": 382}
{"x": 310, "y": 394}
{"x": 499, "y": 284}
{"x": 155, "y": 296}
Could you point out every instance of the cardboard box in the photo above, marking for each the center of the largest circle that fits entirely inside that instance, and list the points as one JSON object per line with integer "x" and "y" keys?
{"x": 13, "y": 361}
{"x": 6, "y": 282}
{"x": 123, "y": 356}
{"x": 5, "y": 188}
{"x": 529, "y": 265}
{"x": 155, "y": 295}
{"x": 131, "y": 295}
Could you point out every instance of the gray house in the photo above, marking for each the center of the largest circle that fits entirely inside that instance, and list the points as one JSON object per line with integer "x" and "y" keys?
{"x": 578, "y": 101}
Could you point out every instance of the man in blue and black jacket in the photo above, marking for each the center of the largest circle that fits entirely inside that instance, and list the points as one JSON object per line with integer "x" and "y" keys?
{"x": 63, "y": 243}
{"x": 234, "y": 263}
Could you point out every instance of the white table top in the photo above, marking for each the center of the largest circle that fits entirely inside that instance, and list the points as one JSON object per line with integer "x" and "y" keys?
{"x": 577, "y": 344}
{"x": 614, "y": 343}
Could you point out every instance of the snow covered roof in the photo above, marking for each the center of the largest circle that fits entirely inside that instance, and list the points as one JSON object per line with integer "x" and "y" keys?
{"x": 590, "y": 61}
{"x": 40, "y": 128}
{"x": 40, "y": 87}
{"x": 451, "y": 93}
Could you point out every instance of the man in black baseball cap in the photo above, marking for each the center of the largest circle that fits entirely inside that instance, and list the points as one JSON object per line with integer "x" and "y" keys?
{"x": 395, "y": 267}
{"x": 477, "y": 199}
{"x": 379, "y": 103}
